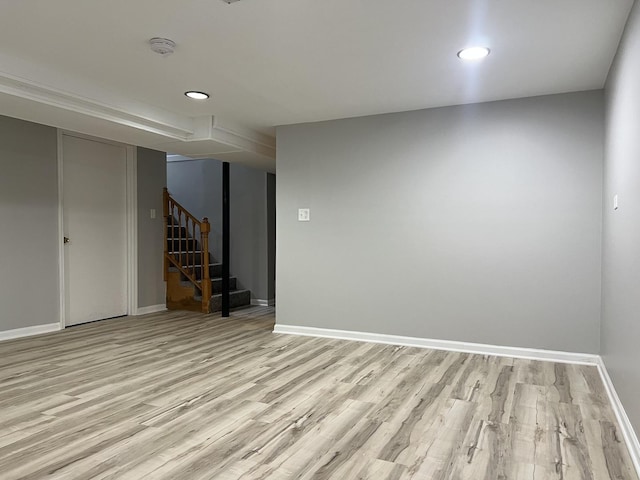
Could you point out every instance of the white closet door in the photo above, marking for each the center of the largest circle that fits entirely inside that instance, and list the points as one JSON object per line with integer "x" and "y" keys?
{"x": 95, "y": 224}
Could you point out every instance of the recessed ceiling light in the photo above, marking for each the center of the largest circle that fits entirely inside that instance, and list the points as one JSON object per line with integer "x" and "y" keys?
{"x": 473, "y": 53}
{"x": 196, "y": 95}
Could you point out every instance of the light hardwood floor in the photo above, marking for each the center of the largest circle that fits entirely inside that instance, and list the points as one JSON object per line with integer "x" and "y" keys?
{"x": 185, "y": 396}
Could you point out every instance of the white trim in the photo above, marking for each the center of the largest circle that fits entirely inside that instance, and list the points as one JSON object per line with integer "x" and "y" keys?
{"x": 258, "y": 302}
{"x": 132, "y": 222}
{"x": 37, "y": 92}
{"x": 61, "y": 288}
{"x": 180, "y": 158}
{"x": 161, "y": 307}
{"x": 139, "y": 117}
{"x": 209, "y": 128}
{"x": 29, "y": 331}
{"x": 476, "y": 348}
{"x": 628, "y": 433}
{"x": 241, "y": 131}
{"x": 265, "y": 146}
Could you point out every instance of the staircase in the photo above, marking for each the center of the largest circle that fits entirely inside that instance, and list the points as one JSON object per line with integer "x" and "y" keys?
{"x": 194, "y": 278}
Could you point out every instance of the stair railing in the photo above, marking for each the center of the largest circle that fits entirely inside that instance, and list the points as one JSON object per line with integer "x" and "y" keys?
{"x": 185, "y": 231}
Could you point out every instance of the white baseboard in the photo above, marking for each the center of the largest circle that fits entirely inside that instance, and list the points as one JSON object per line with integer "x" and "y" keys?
{"x": 477, "y": 348}
{"x": 28, "y": 331}
{"x": 151, "y": 309}
{"x": 263, "y": 303}
{"x": 628, "y": 433}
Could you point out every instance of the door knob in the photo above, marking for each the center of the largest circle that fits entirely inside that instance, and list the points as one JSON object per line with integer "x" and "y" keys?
{"x": 67, "y": 239}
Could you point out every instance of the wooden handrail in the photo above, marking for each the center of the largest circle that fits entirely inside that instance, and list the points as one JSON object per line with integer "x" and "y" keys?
{"x": 186, "y": 232}
{"x": 180, "y": 207}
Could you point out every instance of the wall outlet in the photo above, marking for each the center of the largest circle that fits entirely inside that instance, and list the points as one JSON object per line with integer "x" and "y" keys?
{"x": 152, "y": 213}
{"x": 304, "y": 215}
{"x": 615, "y": 202}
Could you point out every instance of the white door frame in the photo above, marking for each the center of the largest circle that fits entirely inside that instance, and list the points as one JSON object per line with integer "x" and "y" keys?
{"x": 132, "y": 223}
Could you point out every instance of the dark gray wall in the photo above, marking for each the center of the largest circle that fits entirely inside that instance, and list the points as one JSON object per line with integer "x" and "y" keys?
{"x": 197, "y": 185}
{"x": 249, "y": 242}
{"x": 211, "y": 190}
{"x": 187, "y": 184}
{"x": 152, "y": 178}
{"x": 621, "y": 237}
{"x": 477, "y": 223}
{"x": 29, "y": 218}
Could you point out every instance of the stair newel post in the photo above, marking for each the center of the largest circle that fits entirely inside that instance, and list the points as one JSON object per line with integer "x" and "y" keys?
{"x": 165, "y": 215}
{"x": 205, "y": 228}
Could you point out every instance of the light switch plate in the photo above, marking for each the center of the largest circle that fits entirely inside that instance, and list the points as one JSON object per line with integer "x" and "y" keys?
{"x": 615, "y": 202}
{"x": 304, "y": 215}
{"x": 152, "y": 213}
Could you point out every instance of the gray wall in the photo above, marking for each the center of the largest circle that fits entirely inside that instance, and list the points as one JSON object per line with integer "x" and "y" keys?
{"x": 152, "y": 178}
{"x": 249, "y": 242}
{"x": 271, "y": 236}
{"x": 621, "y": 238}
{"x": 197, "y": 185}
{"x": 186, "y": 183}
{"x": 477, "y": 223}
{"x": 29, "y": 285}
{"x": 29, "y": 219}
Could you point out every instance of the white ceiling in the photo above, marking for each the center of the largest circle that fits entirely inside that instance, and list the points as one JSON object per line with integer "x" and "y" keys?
{"x": 274, "y": 62}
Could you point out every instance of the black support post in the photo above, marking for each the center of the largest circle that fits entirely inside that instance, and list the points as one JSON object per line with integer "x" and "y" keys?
{"x": 225, "y": 239}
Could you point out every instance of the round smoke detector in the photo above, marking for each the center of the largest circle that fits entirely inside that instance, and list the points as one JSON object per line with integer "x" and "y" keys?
{"x": 163, "y": 46}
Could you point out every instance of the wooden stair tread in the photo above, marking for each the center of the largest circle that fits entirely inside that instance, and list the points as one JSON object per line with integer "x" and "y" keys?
{"x": 196, "y": 266}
